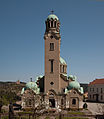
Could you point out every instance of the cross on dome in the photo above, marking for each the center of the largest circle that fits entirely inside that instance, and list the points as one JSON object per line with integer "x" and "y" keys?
{"x": 52, "y": 11}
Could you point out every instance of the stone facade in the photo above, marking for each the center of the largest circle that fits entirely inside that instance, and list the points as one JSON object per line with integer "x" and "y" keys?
{"x": 74, "y": 99}
{"x": 49, "y": 57}
{"x": 30, "y": 99}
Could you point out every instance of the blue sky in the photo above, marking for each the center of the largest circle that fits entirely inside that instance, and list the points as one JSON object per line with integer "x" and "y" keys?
{"x": 22, "y": 27}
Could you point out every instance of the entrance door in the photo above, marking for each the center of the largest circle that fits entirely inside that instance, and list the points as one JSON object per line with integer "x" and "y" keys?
{"x": 52, "y": 103}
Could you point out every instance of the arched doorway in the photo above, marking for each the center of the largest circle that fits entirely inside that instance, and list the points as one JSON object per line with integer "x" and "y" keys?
{"x": 52, "y": 103}
{"x": 52, "y": 96}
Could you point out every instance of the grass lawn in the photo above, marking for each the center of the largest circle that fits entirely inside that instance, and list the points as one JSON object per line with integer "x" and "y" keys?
{"x": 47, "y": 118}
{"x": 25, "y": 117}
{"x": 5, "y": 117}
{"x": 74, "y": 113}
{"x": 73, "y": 118}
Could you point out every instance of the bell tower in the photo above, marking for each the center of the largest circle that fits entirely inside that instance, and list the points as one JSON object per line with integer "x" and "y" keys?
{"x": 52, "y": 54}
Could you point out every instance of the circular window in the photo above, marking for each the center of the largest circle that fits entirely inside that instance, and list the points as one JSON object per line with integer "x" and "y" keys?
{"x": 51, "y": 36}
{"x": 51, "y": 83}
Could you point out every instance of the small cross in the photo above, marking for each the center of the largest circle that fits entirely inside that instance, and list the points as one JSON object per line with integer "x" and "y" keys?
{"x": 52, "y": 11}
{"x": 31, "y": 79}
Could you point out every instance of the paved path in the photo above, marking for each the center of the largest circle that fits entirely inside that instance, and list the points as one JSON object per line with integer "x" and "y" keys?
{"x": 96, "y": 108}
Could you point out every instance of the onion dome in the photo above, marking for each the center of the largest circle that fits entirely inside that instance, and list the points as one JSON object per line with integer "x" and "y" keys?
{"x": 74, "y": 84}
{"x": 62, "y": 61}
{"x": 52, "y": 16}
{"x": 31, "y": 85}
{"x": 72, "y": 78}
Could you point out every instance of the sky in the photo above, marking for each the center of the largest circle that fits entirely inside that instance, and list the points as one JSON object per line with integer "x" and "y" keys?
{"x": 22, "y": 28}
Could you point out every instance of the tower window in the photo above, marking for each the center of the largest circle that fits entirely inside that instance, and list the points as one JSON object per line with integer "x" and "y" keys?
{"x": 60, "y": 68}
{"x": 51, "y": 46}
{"x": 55, "y": 24}
{"x": 63, "y": 68}
{"x": 51, "y": 61}
{"x": 51, "y": 23}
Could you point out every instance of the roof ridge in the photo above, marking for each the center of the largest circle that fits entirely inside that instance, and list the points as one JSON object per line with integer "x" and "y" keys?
{"x": 97, "y": 81}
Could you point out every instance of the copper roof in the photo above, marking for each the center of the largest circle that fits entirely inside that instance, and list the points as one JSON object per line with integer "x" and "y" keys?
{"x": 97, "y": 81}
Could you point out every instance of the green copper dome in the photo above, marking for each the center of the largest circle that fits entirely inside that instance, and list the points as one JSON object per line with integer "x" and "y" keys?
{"x": 74, "y": 84}
{"x": 53, "y": 16}
{"x": 73, "y": 78}
{"x": 62, "y": 61}
{"x": 31, "y": 85}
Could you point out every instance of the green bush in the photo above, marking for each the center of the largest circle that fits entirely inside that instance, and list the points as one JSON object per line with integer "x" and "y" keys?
{"x": 3, "y": 111}
{"x": 5, "y": 117}
{"x": 47, "y": 118}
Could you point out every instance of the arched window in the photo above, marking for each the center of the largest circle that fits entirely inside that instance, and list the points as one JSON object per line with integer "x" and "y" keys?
{"x": 51, "y": 62}
{"x": 51, "y": 23}
{"x": 55, "y": 24}
{"x": 74, "y": 102}
{"x": 60, "y": 68}
{"x": 62, "y": 101}
{"x": 51, "y": 46}
{"x": 63, "y": 69}
{"x": 48, "y": 24}
{"x": 29, "y": 102}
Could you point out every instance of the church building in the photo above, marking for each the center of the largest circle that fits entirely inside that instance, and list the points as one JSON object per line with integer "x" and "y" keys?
{"x": 55, "y": 88}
